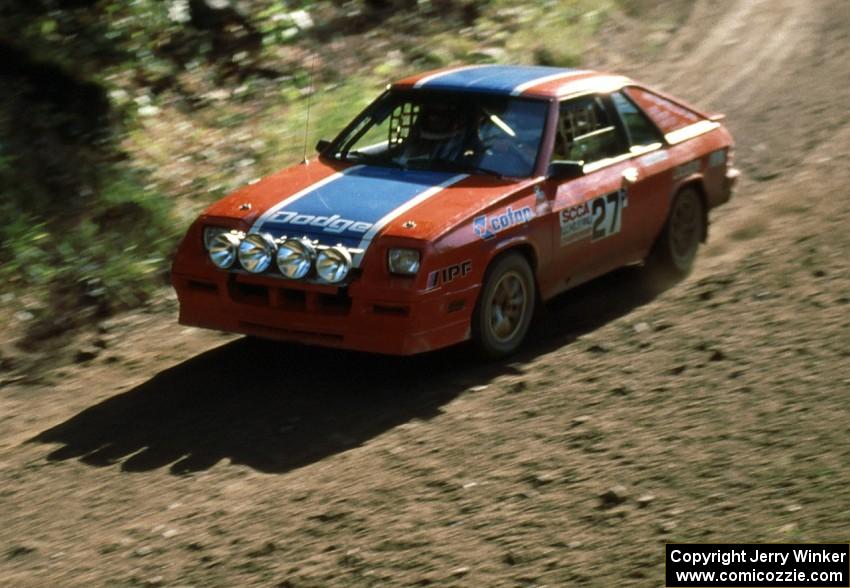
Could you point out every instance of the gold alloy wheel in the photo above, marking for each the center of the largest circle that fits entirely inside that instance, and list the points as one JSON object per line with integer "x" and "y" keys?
{"x": 685, "y": 229}
{"x": 505, "y": 311}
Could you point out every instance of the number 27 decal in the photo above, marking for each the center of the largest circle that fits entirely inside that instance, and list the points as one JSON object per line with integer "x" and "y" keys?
{"x": 607, "y": 214}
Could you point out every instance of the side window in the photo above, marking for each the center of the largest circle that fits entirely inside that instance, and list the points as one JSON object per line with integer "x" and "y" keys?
{"x": 585, "y": 132}
{"x": 642, "y": 133}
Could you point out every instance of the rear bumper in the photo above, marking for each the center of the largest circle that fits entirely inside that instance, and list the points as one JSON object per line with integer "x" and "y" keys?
{"x": 324, "y": 315}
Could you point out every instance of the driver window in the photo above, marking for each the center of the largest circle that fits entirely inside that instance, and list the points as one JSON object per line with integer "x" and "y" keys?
{"x": 585, "y": 132}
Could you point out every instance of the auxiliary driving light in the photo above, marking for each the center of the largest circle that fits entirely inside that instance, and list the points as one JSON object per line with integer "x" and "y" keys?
{"x": 223, "y": 249}
{"x": 210, "y": 233}
{"x": 257, "y": 252}
{"x": 333, "y": 264}
{"x": 295, "y": 258}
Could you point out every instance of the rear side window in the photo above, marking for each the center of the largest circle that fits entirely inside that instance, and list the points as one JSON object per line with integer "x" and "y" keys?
{"x": 668, "y": 115}
{"x": 642, "y": 133}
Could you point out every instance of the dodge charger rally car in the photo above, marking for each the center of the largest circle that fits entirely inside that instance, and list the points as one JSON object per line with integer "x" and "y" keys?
{"x": 452, "y": 205}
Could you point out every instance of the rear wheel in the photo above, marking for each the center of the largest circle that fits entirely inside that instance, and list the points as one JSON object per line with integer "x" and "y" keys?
{"x": 676, "y": 248}
{"x": 505, "y": 306}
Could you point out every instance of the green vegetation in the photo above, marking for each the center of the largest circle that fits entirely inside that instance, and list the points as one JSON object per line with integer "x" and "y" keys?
{"x": 138, "y": 114}
{"x": 67, "y": 271}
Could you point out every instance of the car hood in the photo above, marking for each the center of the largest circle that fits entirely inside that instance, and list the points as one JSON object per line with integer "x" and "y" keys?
{"x": 352, "y": 205}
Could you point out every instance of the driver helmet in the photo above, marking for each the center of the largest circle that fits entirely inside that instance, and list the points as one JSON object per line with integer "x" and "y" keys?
{"x": 438, "y": 122}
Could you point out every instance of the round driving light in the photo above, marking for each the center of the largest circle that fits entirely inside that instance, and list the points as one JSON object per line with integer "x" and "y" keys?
{"x": 295, "y": 258}
{"x": 210, "y": 233}
{"x": 333, "y": 264}
{"x": 223, "y": 249}
{"x": 256, "y": 252}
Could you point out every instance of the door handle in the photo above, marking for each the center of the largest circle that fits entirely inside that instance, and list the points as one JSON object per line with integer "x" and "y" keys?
{"x": 631, "y": 175}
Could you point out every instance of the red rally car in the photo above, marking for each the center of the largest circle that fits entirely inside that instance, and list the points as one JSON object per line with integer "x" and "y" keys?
{"x": 452, "y": 205}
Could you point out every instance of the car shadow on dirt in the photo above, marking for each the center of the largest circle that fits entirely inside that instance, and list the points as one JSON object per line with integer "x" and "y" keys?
{"x": 275, "y": 407}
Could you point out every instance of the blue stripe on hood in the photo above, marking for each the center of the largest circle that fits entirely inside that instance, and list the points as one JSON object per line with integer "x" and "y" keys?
{"x": 344, "y": 209}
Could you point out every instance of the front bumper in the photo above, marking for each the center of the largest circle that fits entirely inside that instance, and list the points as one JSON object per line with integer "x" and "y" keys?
{"x": 354, "y": 318}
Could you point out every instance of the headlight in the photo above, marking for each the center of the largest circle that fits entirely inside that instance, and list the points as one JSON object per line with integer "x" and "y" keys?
{"x": 295, "y": 258}
{"x": 403, "y": 261}
{"x": 223, "y": 249}
{"x": 210, "y": 233}
{"x": 333, "y": 264}
{"x": 256, "y": 252}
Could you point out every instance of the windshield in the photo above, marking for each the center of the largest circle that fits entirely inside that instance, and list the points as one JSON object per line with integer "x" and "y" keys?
{"x": 474, "y": 133}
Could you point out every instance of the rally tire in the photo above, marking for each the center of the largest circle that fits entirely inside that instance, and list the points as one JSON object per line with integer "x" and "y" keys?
{"x": 505, "y": 306}
{"x": 676, "y": 248}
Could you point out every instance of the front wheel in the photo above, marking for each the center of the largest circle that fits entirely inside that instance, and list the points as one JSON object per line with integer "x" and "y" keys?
{"x": 505, "y": 306}
{"x": 676, "y": 248}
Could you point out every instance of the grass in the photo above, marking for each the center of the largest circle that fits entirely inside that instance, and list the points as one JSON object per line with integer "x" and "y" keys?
{"x": 330, "y": 110}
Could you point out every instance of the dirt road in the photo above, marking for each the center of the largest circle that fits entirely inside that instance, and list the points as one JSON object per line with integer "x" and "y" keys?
{"x": 715, "y": 411}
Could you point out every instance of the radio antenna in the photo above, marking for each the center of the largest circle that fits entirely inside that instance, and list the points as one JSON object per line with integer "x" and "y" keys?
{"x": 309, "y": 98}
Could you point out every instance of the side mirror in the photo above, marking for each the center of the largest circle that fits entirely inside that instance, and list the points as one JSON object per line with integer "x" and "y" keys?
{"x": 565, "y": 170}
{"x": 322, "y": 145}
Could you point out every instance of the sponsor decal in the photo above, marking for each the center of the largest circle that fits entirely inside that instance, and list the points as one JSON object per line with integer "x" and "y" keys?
{"x": 352, "y": 206}
{"x": 487, "y": 226}
{"x": 541, "y": 203}
{"x": 717, "y": 158}
{"x": 686, "y": 169}
{"x": 448, "y": 274}
{"x": 598, "y": 218}
{"x": 654, "y": 157}
{"x": 328, "y": 224}
{"x": 539, "y": 194}
{"x": 576, "y": 223}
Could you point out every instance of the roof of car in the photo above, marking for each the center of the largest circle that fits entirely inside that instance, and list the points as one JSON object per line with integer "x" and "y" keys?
{"x": 515, "y": 80}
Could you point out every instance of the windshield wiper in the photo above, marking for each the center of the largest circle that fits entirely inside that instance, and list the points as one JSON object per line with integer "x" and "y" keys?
{"x": 371, "y": 159}
{"x": 485, "y": 171}
{"x": 466, "y": 167}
